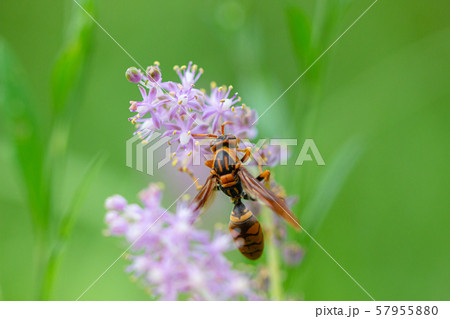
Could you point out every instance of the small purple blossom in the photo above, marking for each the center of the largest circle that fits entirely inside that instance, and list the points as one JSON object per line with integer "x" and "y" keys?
{"x": 188, "y": 75}
{"x": 171, "y": 256}
{"x": 116, "y": 202}
{"x": 219, "y": 105}
{"x": 182, "y": 131}
{"x": 242, "y": 118}
{"x": 184, "y": 102}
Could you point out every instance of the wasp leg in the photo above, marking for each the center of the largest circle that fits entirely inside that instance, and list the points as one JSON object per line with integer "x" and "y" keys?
{"x": 248, "y": 197}
{"x": 247, "y": 154}
{"x": 186, "y": 170}
{"x": 264, "y": 176}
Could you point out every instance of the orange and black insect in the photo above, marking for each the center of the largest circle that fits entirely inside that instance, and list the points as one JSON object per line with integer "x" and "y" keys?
{"x": 229, "y": 176}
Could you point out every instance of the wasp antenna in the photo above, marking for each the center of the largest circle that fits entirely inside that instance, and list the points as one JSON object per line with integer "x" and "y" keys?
{"x": 204, "y": 135}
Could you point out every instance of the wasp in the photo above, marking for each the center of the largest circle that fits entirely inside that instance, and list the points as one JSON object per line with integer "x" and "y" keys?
{"x": 228, "y": 175}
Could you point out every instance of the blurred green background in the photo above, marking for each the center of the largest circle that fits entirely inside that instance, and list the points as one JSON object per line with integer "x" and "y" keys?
{"x": 376, "y": 105}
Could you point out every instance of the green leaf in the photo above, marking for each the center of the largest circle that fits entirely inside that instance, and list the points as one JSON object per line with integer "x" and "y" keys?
{"x": 327, "y": 23}
{"x": 331, "y": 183}
{"x": 67, "y": 225}
{"x": 66, "y": 86}
{"x": 21, "y": 125}
{"x": 80, "y": 195}
{"x": 71, "y": 62}
{"x": 300, "y": 30}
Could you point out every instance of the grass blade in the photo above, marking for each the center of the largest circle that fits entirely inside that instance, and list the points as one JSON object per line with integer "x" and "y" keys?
{"x": 21, "y": 125}
{"x": 71, "y": 63}
{"x": 331, "y": 184}
{"x": 300, "y": 29}
{"x": 80, "y": 195}
{"x": 68, "y": 223}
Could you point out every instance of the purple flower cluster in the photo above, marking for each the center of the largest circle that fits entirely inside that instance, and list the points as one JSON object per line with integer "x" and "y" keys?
{"x": 175, "y": 259}
{"x": 179, "y": 110}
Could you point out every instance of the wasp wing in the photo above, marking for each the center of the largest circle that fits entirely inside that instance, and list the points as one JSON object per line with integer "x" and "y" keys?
{"x": 257, "y": 189}
{"x": 205, "y": 196}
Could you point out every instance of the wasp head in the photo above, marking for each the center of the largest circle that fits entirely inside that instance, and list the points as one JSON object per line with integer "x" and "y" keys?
{"x": 223, "y": 141}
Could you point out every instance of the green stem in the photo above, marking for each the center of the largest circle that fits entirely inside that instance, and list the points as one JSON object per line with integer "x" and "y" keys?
{"x": 272, "y": 255}
{"x": 51, "y": 269}
{"x": 41, "y": 250}
{"x": 66, "y": 226}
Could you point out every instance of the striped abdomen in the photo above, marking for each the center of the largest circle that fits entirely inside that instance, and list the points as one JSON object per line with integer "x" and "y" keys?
{"x": 246, "y": 231}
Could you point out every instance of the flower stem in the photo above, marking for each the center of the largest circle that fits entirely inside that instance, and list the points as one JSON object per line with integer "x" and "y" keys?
{"x": 272, "y": 256}
{"x": 41, "y": 250}
{"x": 50, "y": 273}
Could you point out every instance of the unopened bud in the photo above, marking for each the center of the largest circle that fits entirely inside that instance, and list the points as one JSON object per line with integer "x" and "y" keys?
{"x": 133, "y": 75}
{"x": 153, "y": 73}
